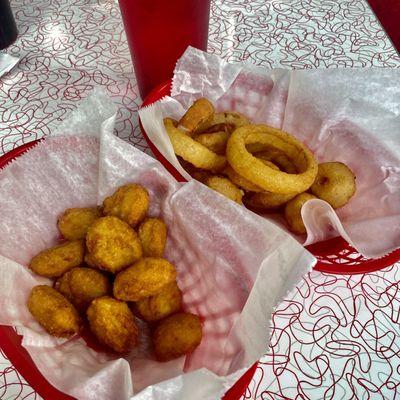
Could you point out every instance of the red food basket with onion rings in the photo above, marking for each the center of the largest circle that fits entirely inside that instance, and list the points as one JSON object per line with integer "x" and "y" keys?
{"x": 335, "y": 256}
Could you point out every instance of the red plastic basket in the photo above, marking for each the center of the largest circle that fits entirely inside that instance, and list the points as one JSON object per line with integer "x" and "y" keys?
{"x": 10, "y": 341}
{"x": 335, "y": 256}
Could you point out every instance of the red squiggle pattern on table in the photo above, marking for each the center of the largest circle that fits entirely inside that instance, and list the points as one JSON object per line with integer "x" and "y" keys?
{"x": 12, "y": 385}
{"x": 339, "y": 336}
{"x": 67, "y": 48}
{"x": 300, "y": 34}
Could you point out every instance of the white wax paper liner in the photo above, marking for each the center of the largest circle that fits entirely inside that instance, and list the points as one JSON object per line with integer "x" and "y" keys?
{"x": 233, "y": 266}
{"x": 347, "y": 115}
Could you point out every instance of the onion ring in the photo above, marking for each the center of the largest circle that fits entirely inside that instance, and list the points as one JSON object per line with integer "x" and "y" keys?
{"x": 278, "y": 158}
{"x": 231, "y": 118}
{"x": 266, "y": 200}
{"x": 245, "y": 164}
{"x": 293, "y": 212}
{"x": 243, "y": 182}
{"x": 220, "y": 128}
{"x": 225, "y": 187}
{"x": 198, "y": 113}
{"x": 192, "y": 151}
{"x": 214, "y": 141}
{"x": 335, "y": 183}
{"x": 199, "y": 174}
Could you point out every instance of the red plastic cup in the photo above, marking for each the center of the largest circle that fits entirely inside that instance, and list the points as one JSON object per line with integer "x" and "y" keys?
{"x": 158, "y": 32}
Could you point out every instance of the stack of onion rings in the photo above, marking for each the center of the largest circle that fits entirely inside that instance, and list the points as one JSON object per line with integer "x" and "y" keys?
{"x": 252, "y": 168}
{"x": 267, "y": 166}
{"x": 191, "y": 150}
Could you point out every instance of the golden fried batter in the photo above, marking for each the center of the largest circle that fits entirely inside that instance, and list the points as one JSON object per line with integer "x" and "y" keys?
{"x": 53, "y": 262}
{"x": 153, "y": 236}
{"x": 214, "y": 141}
{"x": 277, "y": 158}
{"x": 113, "y": 324}
{"x": 199, "y": 174}
{"x": 112, "y": 244}
{"x": 198, "y": 113}
{"x": 225, "y": 187}
{"x": 162, "y": 304}
{"x": 143, "y": 279}
{"x": 82, "y": 285}
{"x": 335, "y": 183}
{"x": 240, "y": 181}
{"x": 231, "y": 119}
{"x": 74, "y": 222}
{"x": 293, "y": 212}
{"x": 265, "y": 201}
{"x": 129, "y": 203}
{"x": 53, "y": 311}
{"x": 176, "y": 336}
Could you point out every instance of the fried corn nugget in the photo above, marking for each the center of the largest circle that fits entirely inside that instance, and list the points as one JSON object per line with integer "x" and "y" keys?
{"x": 74, "y": 222}
{"x": 53, "y": 311}
{"x": 162, "y": 304}
{"x": 53, "y": 262}
{"x": 113, "y": 323}
{"x": 198, "y": 113}
{"x": 129, "y": 203}
{"x": 293, "y": 212}
{"x": 225, "y": 187}
{"x": 145, "y": 278}
{"x": 82, "y": 285}
{"x": 335, "y": 183}
{"x": 153, "y": 236}
{"x": 90, "y": 261}
{"x": 112, "y": 244}
{"x": 176, "y": 336}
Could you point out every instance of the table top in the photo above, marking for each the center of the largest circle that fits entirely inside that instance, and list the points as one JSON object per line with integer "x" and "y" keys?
{"x": 338, "y": 336}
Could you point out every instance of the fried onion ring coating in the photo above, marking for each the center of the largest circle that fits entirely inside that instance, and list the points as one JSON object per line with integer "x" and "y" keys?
{"x": 229, "y": 118}
{"x": 214, "y": 141}
{"x": 253, "y": 169}
{"x": 293, "y": 212}
{"x": 266, "y": 201}
{"x": 192, "y": 151}
{"x": 225, "y": 187}
{"x": 198, "y": 113}
{"x": 335, "y": 183}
